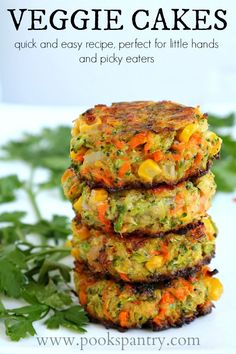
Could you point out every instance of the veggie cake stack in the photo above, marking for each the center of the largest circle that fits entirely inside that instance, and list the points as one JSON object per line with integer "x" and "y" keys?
{"x": 140, "y": 186}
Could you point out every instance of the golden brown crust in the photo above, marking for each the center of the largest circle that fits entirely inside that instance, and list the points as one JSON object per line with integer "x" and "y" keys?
{"x": 202, "y": 310}
{"x": 143, "y": 115}
{"x": 159, "y": 278}
{"x": 138, "y": 237}
{"x": 143, "y": 185}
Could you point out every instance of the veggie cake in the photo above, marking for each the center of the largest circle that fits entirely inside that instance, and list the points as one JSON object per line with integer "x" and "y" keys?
{"x": 141, "y": 144}
{"x": 145, "y": 259}
{"x": 159, "y": 306}
{"x": 144, "y": 211}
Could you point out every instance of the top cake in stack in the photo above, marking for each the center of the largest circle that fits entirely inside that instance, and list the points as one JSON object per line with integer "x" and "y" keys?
{"x": 141, "y": 144}
{"x": 140, "y": 187}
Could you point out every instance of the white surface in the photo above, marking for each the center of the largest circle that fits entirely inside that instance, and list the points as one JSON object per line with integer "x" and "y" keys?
{"x": 215, "y": 332}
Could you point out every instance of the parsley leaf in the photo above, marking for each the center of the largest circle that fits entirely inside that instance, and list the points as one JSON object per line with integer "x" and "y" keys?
{"x": 12, "y": 262}
{"x": 73, "y": 318}
{"x": 48, "y": 295}
{"x": 8, "y": 187}
{"x": 19, "y": 321}
{"x": 34, "y": 271}
{"x": 217, "y": 122}
{"x": 225, "y": 174}
{"x": 19, "y": 327}
{"x": 48, "y": 150}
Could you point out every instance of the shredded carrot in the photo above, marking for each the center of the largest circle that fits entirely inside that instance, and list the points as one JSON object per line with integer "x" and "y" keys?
{"x": 118, "y": 144}
{"x": 83, "y": 297}
{"x": 138, "y": 139}
{"x": 158, "y": 156}
{"x": 160, "y": 317}
{"x": 180, "y": 293}
{"x": 102, "y": 208}
{"x": 124, "y": 277}
{"x": 79, "y": 155}
{"x": 183, "y": 291}
{"x": 177, "y": 157}
{"x": 98, "y": 143}
{"x": 123, "y": 169}
{"x": 195, "y": 139}
{"x": 179, "y": 146}
{"x": 179, "y": 198}
{"x": 148, "y": 146}
{"x": 180, "y": 201}
{"x": 166, "y": 300}
{"x": 198, "y": 158}
{"x": 79, "y": 158}
{"x": 101, "y": 175}
{"x": 84, "y": 171}
{"x": 123, "y": 318}
{"x": 164, "y": 251}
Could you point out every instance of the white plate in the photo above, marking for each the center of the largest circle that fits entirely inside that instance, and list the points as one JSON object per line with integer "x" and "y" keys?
{"x": 215, "y": 331}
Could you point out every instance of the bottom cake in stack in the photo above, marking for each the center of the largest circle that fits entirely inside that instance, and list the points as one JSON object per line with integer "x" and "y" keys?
{"x": 156, "y": 305}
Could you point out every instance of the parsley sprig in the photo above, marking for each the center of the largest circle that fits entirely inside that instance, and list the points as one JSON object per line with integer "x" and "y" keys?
{"x": 33, "y": 269}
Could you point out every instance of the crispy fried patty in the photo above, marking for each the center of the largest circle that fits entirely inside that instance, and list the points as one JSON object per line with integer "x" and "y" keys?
{"x": 141, "y": 144}
{"x": 144, "y": 259}
{"x": 151, "y": 211}
{"x": 158, "y": 306}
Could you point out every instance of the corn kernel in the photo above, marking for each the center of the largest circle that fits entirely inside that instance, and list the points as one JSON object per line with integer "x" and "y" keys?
{"x": 78, "y": 205}
{"x": 209, "y": 226}
{"x": 98, "y": 195}
{"x": 215, "y": 288}
{"x": 186, "y": 219}
{"x": 84, "y": 127}
{"x": 216, "y": 142}
{"x": 187, "y": 132}
{"x": 148, "y": 170}
{"x": 72, "y": 155}
{"x": 154, "y": 263}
